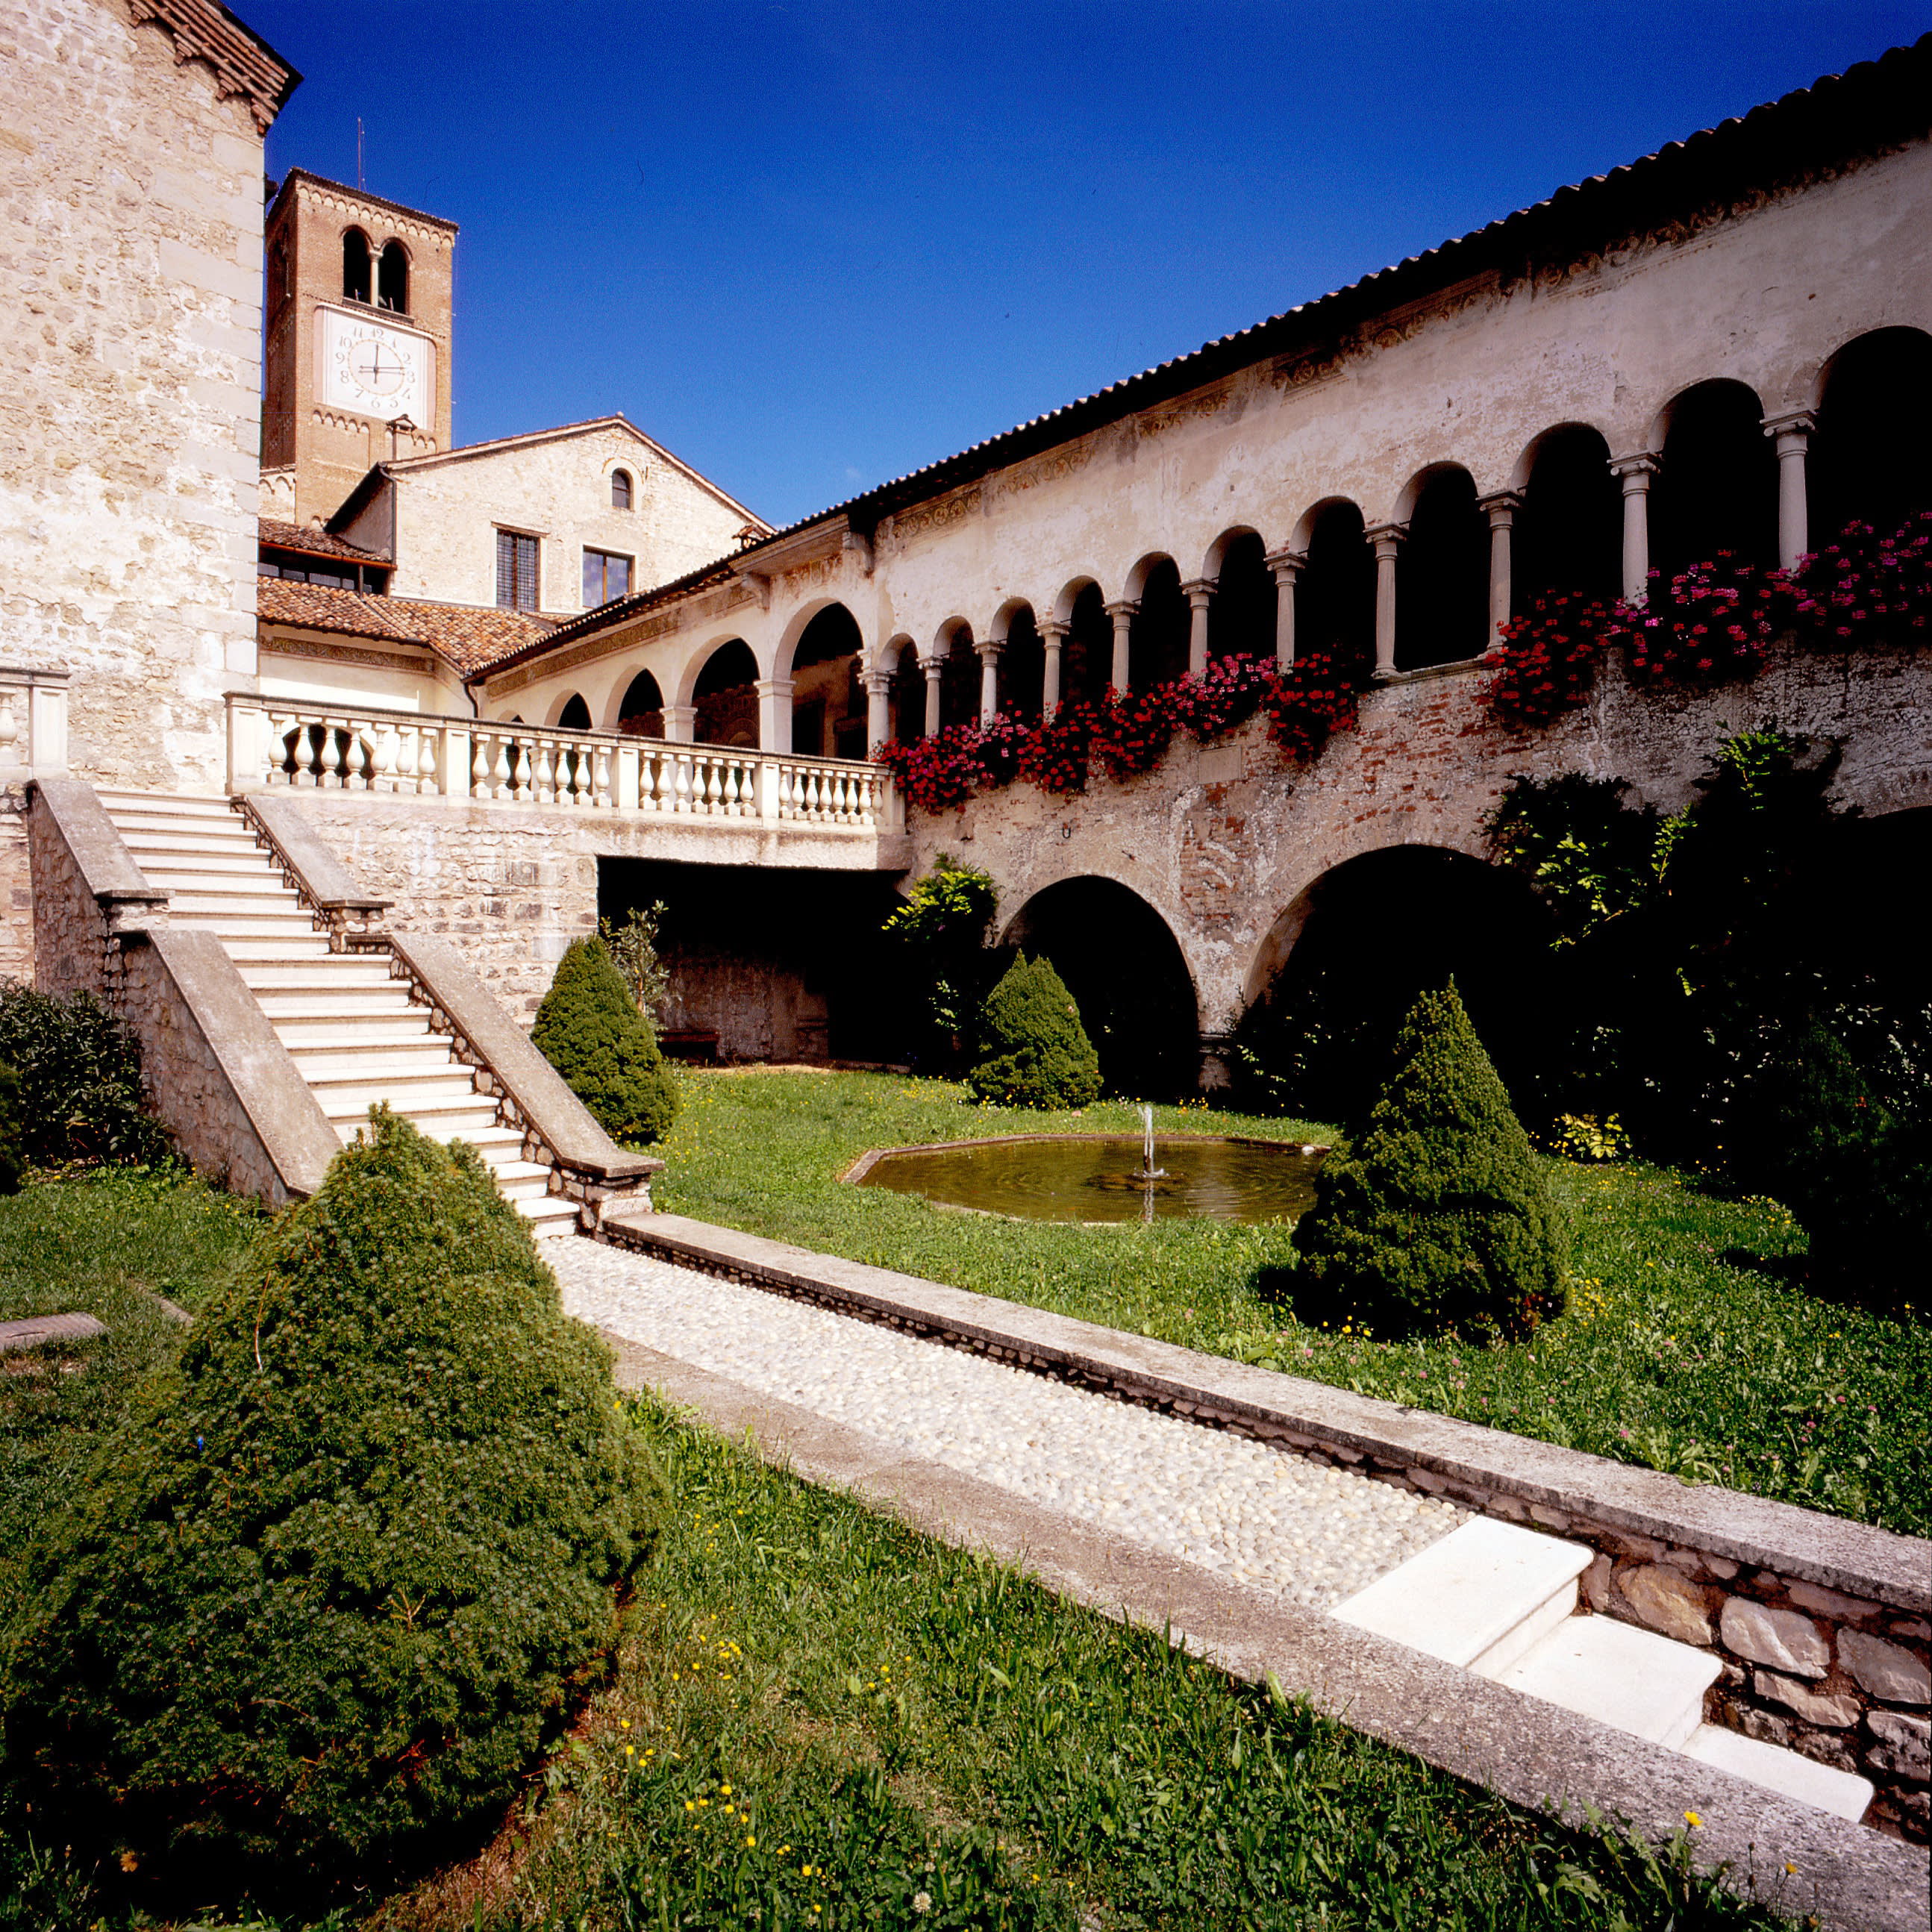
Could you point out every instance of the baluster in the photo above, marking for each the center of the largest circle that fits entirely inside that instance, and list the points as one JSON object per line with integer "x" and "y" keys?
{"x": 681, "y": 799}
{"x": 814, "y": 796}
{"x": 388, "y": 747}
{"x": 479, "y": 765}
{"x": 582, "y": 777}
{"x": 868, "y": 800}
{"x": 303, "y": 754}
{"x": 279, "y": 750}
{"x": 734, "y": 789}
{"x": 329, "y": 765}
{"x": 601, "y": 791}
{"x": 427, "y": 758}
{"x": 546, "y": 774}
{"x": 503, "y": 774}
{"x": 714, "y": 792}
{"x": 842, "y": 799}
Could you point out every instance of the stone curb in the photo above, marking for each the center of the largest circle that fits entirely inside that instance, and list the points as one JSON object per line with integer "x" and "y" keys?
{"x": 1838, "y": 1610}
{"x": 1532, "y": 1753}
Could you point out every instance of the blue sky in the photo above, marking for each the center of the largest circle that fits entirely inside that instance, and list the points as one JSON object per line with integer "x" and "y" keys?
{"x": 810, "y": 247}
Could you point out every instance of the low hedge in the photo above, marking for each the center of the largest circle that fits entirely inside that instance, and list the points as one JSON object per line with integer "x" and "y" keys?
{"x": 325, "y": 1594}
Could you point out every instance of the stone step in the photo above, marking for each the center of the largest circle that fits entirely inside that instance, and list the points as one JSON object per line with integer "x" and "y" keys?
{"x": 335, "y": 1034}
{"x": 315, "y": 975}
{"x": 554, "y": 1214}
{"x": 168, "y": 804}
{"x": 251, "y": 887}
{"x": 1631, "y": 1679}
{"x": 214, "y": 842}
{"x": 1479, "y": 1598}
{"x": 1789, "y": 1773}
{"x": 352, "y": 1003}
{"x": 380, "y": 1068}
{"x": 476, "y": 1125}
{"x": 266, "y": 923}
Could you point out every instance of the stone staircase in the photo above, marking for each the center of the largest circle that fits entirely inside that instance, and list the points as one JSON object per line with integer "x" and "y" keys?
{"x": 349, "y": 1026}
{"x": 1502, "y": 1602}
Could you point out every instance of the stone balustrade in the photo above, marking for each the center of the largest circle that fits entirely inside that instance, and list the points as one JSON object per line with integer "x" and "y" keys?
{"x": 303, "y": 746}
{"x": 33, "y": 722}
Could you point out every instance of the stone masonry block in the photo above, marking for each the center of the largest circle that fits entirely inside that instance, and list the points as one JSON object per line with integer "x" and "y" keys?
{"x": 1902, "y": 1745}
{"x": 1836, "y": 1713}
{"x": 1780, "y": 1638}
{"x": 1885, "y": 1669}
{"x": 1668, "y": 1602}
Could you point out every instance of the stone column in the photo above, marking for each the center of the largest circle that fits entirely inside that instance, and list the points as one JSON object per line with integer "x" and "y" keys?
{"x": 1635, "y": 472}
{"x": 933, "y": 668}
{"x": 1123, "y": 615}
{"x": 1200, "y": 594}
{"x": 1501, "y": 509}
{"x": 680, "y": 724}
{"x": 989, "y": 679}
{"x": 1387, "y": 538}
{"x": 774, "y": 714}
{"x": 1287, "y": 565}
{"x": 1052, "y": 636}
{"x": 1792, "y": 433}
{"x": 878, "y": 711}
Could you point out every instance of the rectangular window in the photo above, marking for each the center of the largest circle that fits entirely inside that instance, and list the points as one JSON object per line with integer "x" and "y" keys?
{"x": 516, "y": 571}
{"x": 605, "y": 576}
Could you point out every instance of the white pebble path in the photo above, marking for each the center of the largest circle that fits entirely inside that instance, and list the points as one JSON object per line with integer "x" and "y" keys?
{"x": 1275, "y": 1520}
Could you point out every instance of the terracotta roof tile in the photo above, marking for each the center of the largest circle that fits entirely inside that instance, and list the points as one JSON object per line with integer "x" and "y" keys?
{"x": 469, "y": 638}
{"x": 311, "y": 540}
{"x": 244, "y": 64}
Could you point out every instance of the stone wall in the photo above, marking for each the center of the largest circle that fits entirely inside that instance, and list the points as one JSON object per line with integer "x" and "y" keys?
{"x": 1223, "y": 842}
{"x": 130, "y": 231}
{"x": 17, "y": 889}
{"x": 72, "y": 950}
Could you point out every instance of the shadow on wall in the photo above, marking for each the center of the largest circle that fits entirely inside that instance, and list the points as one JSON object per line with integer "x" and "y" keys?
{"x": 1124, "y": 968}
{"x": 770, "y": 964}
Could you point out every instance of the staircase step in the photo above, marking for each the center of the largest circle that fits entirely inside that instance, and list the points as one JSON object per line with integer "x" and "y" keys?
{"x": 1842, "y": 1793}
{"x": 409, "y": 1029}
{"x": 474, "y": 1121}
{"x": 252, "y": 890}
{"x": 185, "y": 804}
{"x": 554, "y": 1214}
{"x": 1478, "y": 1598}
{"x": 215, "y": 843}
{"x": 285, "y": 949}
{"x": 317, "y": 976}
{"x": 1619, "y": 1674}
{"x": 350, "y": 1005}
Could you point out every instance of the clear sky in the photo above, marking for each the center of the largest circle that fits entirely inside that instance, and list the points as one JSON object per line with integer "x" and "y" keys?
{"x": 810, "y": 247}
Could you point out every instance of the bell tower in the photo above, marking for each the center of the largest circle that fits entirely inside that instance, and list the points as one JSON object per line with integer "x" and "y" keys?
{"x": 358, "y": 295}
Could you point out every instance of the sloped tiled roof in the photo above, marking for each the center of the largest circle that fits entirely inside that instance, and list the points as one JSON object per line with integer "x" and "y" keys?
{"x": 469, "y": 638}
{"x": 311, "y": 540}
{"x": 244, "y": 63}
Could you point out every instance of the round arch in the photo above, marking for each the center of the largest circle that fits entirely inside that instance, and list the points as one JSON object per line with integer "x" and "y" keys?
{"x": 1138, "y": 576}
{"x": 1217, "y": 551}
{"x": 1242, "y": 617}
{"x": 1336, "y": 972}
{"x": 1335, "y": 593}
{"x": 958, "y": 672}
{"x": 1145, "y": 1023}
{"x": 1569, "y": 530}
{"x": 1716, "y": 487}
{"x": 828, "y": 697}
{"x": 392, "y": 277}
{"x": 1071, "y": 592}
{"x": 640, "y": 709}
{"x": 1442, "y": 570}
{"x": 1873, "y": 406}
{"x": 359, "y": 265}
{"x": 723, "y": 684}
{"x": 1022, "y": 661}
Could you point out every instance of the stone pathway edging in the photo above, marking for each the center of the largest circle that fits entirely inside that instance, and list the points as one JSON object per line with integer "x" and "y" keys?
{"x": 1824, "y": 1625}
{"x": 1531, "y": 1752}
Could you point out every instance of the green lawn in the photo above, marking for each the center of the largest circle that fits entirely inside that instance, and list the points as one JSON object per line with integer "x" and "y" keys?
{"x": 824, "y": 1721}
{"x": 1669, "y": 1355}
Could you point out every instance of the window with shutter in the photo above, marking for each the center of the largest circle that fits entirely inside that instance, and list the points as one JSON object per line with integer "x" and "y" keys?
{"x": 516, "y": 571}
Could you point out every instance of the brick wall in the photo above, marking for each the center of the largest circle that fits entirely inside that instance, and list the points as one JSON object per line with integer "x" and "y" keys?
{"x": 131, "y": 225}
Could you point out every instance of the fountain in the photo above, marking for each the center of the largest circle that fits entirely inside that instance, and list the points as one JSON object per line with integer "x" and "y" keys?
{"x": 1148, "y": 1171}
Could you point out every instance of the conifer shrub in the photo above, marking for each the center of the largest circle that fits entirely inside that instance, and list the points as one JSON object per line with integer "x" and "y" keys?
{"x": 589, "y": 1029}
{"x": 80, "y": 1071}
{"x": 12, "y": 1131}
{"x": 1437, "y": 1216}
{"x": 325, "y": 1596}
{"x": 1034, "y": 1051}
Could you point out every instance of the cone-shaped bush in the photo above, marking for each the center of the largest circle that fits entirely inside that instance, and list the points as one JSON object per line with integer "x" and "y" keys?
{"x": 1034, "y": 1051}
{"x": 589, "y": 1029}
{"x": 325, "y": 1594}
{"x": 1438, "y": 1216}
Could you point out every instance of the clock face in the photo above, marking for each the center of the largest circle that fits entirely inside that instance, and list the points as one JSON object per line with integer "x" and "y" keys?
{"x": 376, "y": 370}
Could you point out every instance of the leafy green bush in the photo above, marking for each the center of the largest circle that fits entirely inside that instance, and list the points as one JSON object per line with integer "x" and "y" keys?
{"x": 325, "y": 1595}
{"x": 1034, "y": 1051}
{"x": 12, "y": 1128}
{"x": 79, "y": 1072}
{"x": 942, "y": 927}
{"x": 589, "y": 1029}
{"x": 1438, "y": 1216}
{"x": 1856, "y": 1174}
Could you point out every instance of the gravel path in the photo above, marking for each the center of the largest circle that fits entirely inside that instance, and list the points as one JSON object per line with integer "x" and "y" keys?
{"x": 1264, "y": 1517}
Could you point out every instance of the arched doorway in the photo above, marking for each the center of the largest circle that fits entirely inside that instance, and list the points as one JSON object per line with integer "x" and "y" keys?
{"x": 1871, "y": 457}
{"x": 1335, "y": 597}
{"x": 1241, "y": 618}
{"x": 1568, "y": 535}
{"x": 727, "y": 696}
{"x": 1442, "y": 576}
{"x": 1157, "y": 636}
{"x": 828, "y": 700}
{"x": 1344, "y": 964}
{"x": 1716, "y": 487}
{"x": 1125, "y": 970}
{"x": 640, "y": 710}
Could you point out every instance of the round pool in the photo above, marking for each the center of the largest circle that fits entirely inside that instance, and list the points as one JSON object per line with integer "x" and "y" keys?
{"x": 1098, "y": 1178}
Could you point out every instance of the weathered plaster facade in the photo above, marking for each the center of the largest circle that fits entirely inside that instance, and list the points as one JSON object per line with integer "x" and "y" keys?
{"x": 130, "y": 237}
{"x": 438, "y": 515}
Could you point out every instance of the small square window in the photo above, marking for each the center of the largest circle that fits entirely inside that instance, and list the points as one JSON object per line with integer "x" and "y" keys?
{"x": 606, "y": 576}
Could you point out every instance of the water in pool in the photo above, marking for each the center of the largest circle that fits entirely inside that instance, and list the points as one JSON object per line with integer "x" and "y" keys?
{"x": 1080, "y": 1179}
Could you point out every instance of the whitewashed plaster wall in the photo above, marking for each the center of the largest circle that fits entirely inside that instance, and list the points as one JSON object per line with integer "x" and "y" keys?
{"x": 1472, "y": 378}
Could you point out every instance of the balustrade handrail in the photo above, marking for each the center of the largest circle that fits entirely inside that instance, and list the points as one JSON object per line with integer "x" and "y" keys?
{"x": 303, "y": 744}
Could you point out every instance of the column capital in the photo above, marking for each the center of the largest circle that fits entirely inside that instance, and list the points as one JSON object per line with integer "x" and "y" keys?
{"x": 774, "y": 687}
{"x": 1124, "y": 607}
{"x": 932, "y": 666}
{"x": 1051, "y": 629}
{"x": 1640, "y": 465}
{"x": 875, "y": 679}
{"x": 1387, "y": 538}
{"x": 1200, "y": 590}
{"x": 1286, "y": 562}
{"x": 1798, "y": 423}
{"x": 1501, "y": 507}
{"x": 989, "y": 647}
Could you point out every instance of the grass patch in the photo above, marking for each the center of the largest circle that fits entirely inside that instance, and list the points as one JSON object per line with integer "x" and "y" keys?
{"x": 1670, "y": 1355}
{"x": 825, "y": 1721}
